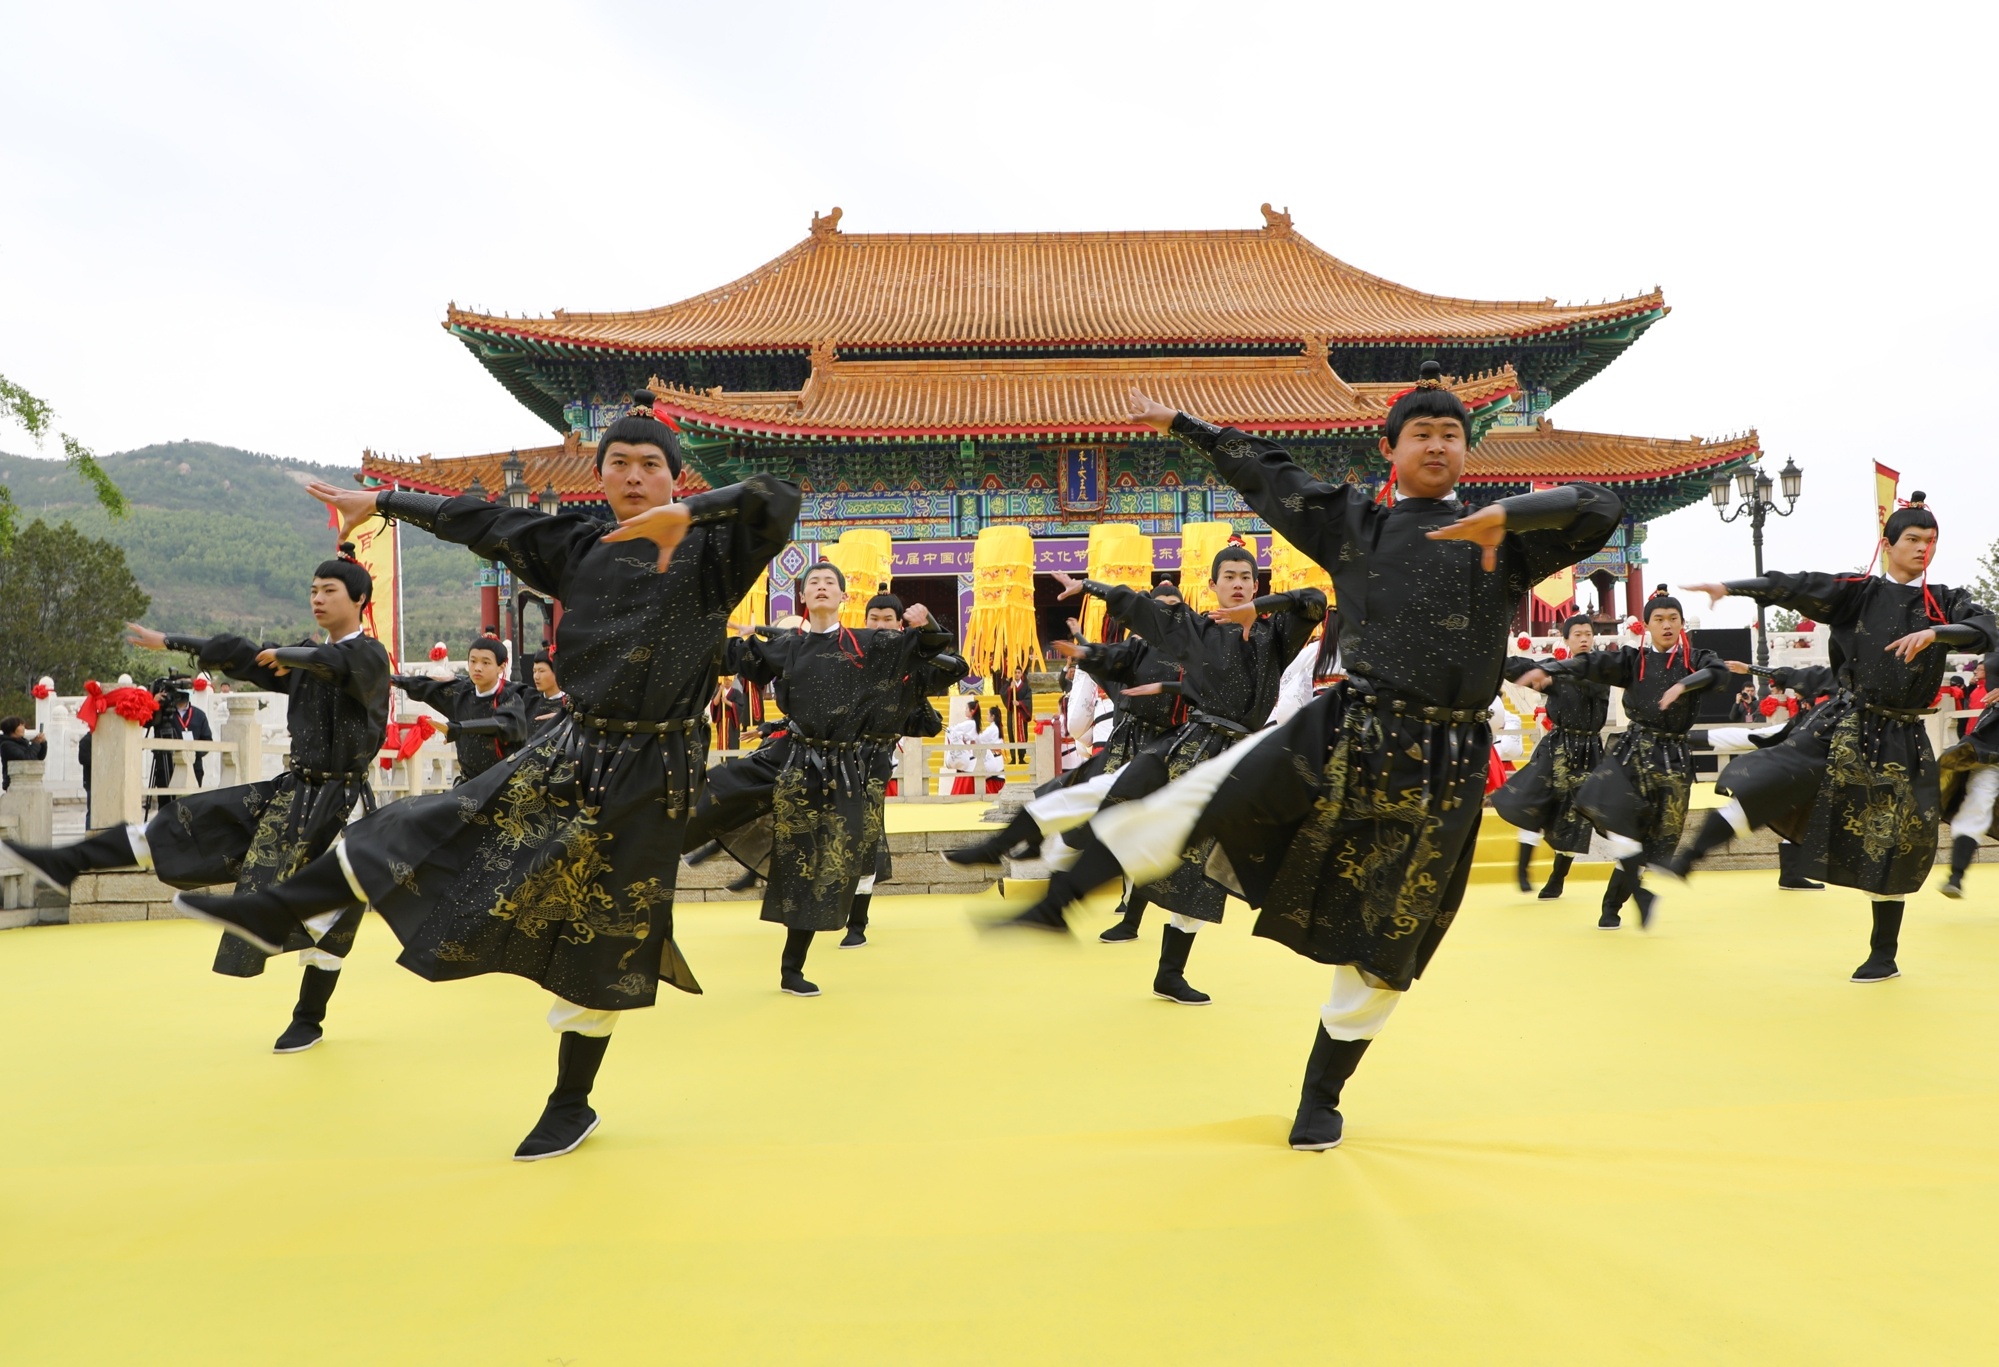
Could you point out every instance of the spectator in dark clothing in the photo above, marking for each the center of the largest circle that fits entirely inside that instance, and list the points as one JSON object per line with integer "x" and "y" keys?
{"x": 1746, "y": 709}
{"x": 178, "y": 719}
{"x": 16, "y": 743}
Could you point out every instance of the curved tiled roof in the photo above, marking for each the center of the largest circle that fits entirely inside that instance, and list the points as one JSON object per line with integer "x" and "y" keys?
{"x": 570, "y": 467}
{"x": 1510, "y": 455}
{"x": 1053, "y": 397}
{"x": 1014, "y": 290}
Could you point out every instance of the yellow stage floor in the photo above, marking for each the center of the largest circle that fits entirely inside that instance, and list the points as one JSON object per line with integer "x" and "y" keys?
{"x": 1698, "y": 1146}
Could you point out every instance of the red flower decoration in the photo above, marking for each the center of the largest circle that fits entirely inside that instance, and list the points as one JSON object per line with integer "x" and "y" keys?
{"x": 132, "y": 703}
{"x": 41, "y": 691}
{"x": 200, "y": 684}
{"x": 1524, "y": 641}
{"x": 1561, "y": 652}
{"x": 438, "y": 651}
{"x": 1635, "y": 629}
{"x": 1808, "y": 626}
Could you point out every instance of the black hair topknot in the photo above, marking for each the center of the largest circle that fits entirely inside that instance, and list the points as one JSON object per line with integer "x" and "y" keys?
{"x": 1431, "y": 374}
{"x": 641, "y": 427}
{"x": 1915, "y": 513}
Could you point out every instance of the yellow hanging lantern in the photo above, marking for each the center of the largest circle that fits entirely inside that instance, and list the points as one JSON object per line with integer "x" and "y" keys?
{"x": 1001, "y": 638}
{"x": 754, "y": 609}
{"x": 866, "y": 556}
{"x": 1291, "y": 568}
{"x": 1199, "y": 543}
{"x": 1119, "y": 554}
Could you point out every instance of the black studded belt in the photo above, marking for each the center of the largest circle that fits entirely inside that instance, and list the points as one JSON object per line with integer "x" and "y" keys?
{"x": 622, "y": 726}
{"x": 299, "y": 771}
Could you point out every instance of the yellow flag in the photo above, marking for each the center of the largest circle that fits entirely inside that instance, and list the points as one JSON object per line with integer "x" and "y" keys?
{"x": 1558, "y": 588}
{"x": 377, "y": 547}
{"x": 1886, "y": 483}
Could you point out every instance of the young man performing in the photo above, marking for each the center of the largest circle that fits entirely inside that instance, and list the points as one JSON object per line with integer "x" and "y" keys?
{"x": 1541, "y": 798}
{"x": 844, "y": 694}
{"x": 1855, "y": 784}
{"x": 1146, "y": 692}
{"x": 1637, "y": 794}
{"x": 1353, "y": 825}
{"x": 485, "y": 717}
{"x": 558, "y": 864}
{"x": 549, "y": 700}
{"x": 1969, "y": 785}
{"x": 255, "y": 834}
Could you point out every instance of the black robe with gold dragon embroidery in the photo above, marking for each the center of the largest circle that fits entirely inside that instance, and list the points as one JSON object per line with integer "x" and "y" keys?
{"x": 1640, "y": 787}
{"x": 257, "y": 834}
{"x": 1541, "y": 796}
{"x": 558, "y": 864}
{"x": 1855, "y": 783}
{"x": 1352, "y": 825}
{"x": 846, "y": 698}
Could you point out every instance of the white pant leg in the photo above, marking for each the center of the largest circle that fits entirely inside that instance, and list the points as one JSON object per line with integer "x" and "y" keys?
{"x": 1186, "y": 925}
{"x": 564, "y": 1015}
{"x": 1359, "y": 1006}
{"x": 1072, "y": 806}
{"x": 1622, "y": 846}
{"x": 142, "y": 853}
{"x": 865, "y": 887}
{"x": 319, "y": 958}
{"x": 1974, "y": 817}
{"x": 1530, "y": 838}
{"x": 1149, "y": 835}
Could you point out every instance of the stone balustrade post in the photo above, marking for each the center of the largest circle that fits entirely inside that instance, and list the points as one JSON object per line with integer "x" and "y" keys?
{"x": 909, "y": 768}
{"x": 241, "y": 729}
{"x": 1043, "y": 756}
{"x": 116, "y": 772}
{"x": 29, "y": 802}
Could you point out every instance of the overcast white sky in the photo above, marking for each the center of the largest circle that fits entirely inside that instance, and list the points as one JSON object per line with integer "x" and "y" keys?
{"x": 242, "y": 223}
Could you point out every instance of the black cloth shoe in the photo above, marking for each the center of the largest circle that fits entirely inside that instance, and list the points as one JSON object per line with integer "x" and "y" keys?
{"x": 1552, "y": 889}
{"x": 696, "y": 858}
{"x": 1318, "y": 1125}
{"x": 1963, "y": 849}
{"x": 747, "y": 883}
{"x": 267, "y": 918}
{"x": 1615, "y": 894}
{"x": 567, "y": 1120}
{"x": 791, "y": 966}
{"x": 60, "y": 865}
{"x": 857, "y": 922}
{"x": 1715, "y": 832}
{"x": 1129, "y": 916}
{"x": 1788, "y": 877}
{"x": 987, "y": 855}
{"x": 1609, "y": 920}
{"x": 1094, "y": 867}
{"x": 1881, "y": 945}
{"x": 315, "y": 990}
{"x": 1520, "y": 869}
{"x": 1170, "y": 982}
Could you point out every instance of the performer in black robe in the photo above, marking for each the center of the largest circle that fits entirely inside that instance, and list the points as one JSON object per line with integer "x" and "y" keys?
{"x": 1969, "y": 785}
{"x": 1232, "y": 662}
{"x": 1540, "y": 798}
{"x": 558, "y": 864}
{"x": 1353, "y": 825}
{"x": 841, "y": 686}
{"x": 485, "y": 716}
{"x": 1637, "y": 794}
{"x": 254, "y": 834}
{"x": 548, "y": 702}
{"x": 1856, "y": 784}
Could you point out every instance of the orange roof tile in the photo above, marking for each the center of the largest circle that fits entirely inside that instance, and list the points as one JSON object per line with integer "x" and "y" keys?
{"x": 1050, "y": 289}
{"x": 571, "y": 467}
{"x": 1515, "y": 454}
{"x": 1053, "y": 397}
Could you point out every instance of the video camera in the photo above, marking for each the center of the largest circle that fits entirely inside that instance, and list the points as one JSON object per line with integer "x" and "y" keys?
{"x": 171, "y": 692}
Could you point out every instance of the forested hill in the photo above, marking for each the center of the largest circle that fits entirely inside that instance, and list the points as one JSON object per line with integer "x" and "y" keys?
{"x": 225, "y": 539}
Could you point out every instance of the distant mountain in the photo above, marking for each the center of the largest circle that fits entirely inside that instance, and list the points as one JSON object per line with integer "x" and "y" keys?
{"x": 225, "y": 539}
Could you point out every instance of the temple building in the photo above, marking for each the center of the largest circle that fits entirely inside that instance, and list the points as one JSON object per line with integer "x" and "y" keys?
{"x": 937, "y": 384}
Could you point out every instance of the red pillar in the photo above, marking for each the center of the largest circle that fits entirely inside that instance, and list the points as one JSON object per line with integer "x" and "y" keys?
{"x": 1634, "y": 591}
{"x": 489, "y": 609}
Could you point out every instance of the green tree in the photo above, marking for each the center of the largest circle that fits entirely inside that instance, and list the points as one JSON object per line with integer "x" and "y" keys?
{"x": 64, "y": 600}
{"x": 38, "y": 418}
{"x": 1986, "y": 586}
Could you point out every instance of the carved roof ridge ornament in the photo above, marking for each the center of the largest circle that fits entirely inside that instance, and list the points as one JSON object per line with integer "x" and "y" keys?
{"x": 826, "y": 224}
{"x": 1276, "y": 222}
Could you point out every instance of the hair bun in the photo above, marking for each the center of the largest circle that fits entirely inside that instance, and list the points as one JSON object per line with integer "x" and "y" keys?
{"x": 1916, "y": 499}
{"x": 643, "y": 398}
{"x": 1430, "y": 371}
{"x": 346, "y": 548}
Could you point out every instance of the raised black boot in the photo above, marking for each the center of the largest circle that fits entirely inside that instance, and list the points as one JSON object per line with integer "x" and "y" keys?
{"x": 1788, "y": 877}
{"x": 1614, "y": 895}
{"x": 1318, "y": 1125}
{"x": 746, "y": 883}
{"x": 1559, "y": 875}
{"x": 1094, "y": 867}
{"x": 1644, "y": 897}
{"x": 1129, "y": 915}
{"x": 1881, "y": 945}
{"x": 567, "y": 1120}
{"x": 60, "y": 865}
{"x": 1170, "y": 982}
{"x": 1520, "y": 869}
{"x": 1963, "y": 849}
{"x": 1716, "y": 830}
{"x": 315, "y": 989}
{"x": 267, "y": 918}
{"x": 857, "y": 922}
{"x": 791, "y": 966}
{"x": 986, "y": 855}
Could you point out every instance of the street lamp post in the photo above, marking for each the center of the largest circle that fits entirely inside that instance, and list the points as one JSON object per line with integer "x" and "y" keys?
{"x": 1756, "y": 488}
{"x": 518, "y": 495}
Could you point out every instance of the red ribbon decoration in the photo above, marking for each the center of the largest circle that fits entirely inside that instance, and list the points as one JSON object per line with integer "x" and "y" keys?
{"x": 132, "y": 703}
{"x": 41, "y": 692}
